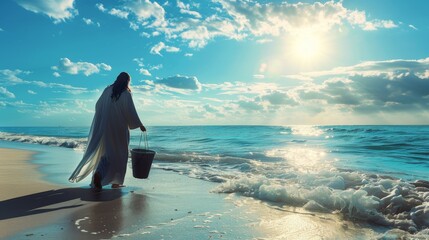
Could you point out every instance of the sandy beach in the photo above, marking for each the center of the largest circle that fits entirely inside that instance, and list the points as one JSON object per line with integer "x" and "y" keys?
{"x": 19, "y": 178}
{"x": 270, "y": 119}
{"x": 168, "y": 205}
{"x": 165, "y": 206}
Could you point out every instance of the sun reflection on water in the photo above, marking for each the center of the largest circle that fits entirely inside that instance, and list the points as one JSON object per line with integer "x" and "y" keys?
{"x": 302, "y": 158}
{"x": 306, "y": 130}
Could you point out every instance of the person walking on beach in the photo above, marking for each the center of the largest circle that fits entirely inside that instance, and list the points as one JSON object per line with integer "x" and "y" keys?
{"x": 106, "y": 154}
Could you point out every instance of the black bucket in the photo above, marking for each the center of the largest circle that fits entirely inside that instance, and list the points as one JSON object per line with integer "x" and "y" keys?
{"x": 142, "y": 161}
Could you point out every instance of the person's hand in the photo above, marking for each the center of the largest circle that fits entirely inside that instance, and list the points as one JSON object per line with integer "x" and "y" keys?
{"x": 142, "y": 128}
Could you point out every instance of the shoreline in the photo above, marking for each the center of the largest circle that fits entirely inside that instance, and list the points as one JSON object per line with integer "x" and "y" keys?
{"x": 16, "y": 163}
{"x": 19, "y": 177}
{"x": 166, "y": 205}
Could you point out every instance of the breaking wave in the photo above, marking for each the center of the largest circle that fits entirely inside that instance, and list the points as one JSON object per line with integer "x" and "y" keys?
{"x": 364, "y": 173}
{"x": 357, "y": 196}
{"x": 372, "y": 198}
{"x": 76, "y": 143}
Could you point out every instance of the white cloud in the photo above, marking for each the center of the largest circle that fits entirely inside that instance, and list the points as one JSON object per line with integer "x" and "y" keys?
{"x": 147, "y": 13}
{"x": 413, "y": 27}
{"x": 11, "y": 76}
{"x": 189, "y": 54}
{"x": 250, "y": 105}
{"x": 198, "y": 33}
{"x": 359, "y": 18}
{"x": 67, "y": 66}
{"x": 139, "y": 61}
{"x": 212, "y": 99}
{"x": 145, "y": 34}
{"x": 392, "y": 85}
{"x": 259, "y": 76}
{"x": 90, "y": 22}
{"x": 240, "y": 88}
{"x": 101, "y": 7}
{"x": 118, "y": 13}
{"x": 386, "y": 24}
{"x": 390, "y": 68}
{"x": 59, "y": 10}
{"x": 279, "y": 98}
{"x": 197, "y": 37}
{"x": 68, "y": 88}
{"x": 275, "y": 18}
{"x": 136, "y": 27}
{"x": 376, "y": 24}
{"x": 186, "y": 107}
{"x": 241, "y": 19}
{"x": 298, "y": 77}
{"x": 264, "y": 40}
{"x": 186, "y": 9}
{"x": 32, "y": 92}
{"x": 161, "y": 46}
{"x": 424, "y": 74}
{"x": 141, "y": 65}
{"x": 266, "y": 102}
{"x": 388, "y": 87}
{"x": 144, "y": 72}
{"x": 216, "y": 111}
{"x": 152, "y": 16}
{"x": 145, "y": 10}
{"x": 181, "y": 82}
{"x": 18, "y": 104}
{"x": 393, "y": 89}
{"x": 83, "y": 105}
{"x": 56, "y": 74}
{"x": 66, "y": 107}
{"x": 5, "y": 93}
{"x": 156, "y": 67}
{"x": 104, "y": 66}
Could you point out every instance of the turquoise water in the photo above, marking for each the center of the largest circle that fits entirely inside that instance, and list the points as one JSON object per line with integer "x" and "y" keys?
{"x": 397, "y": 151}
{"x": 367, "y": 173}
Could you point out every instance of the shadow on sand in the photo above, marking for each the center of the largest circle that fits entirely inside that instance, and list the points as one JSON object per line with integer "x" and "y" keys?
{"x": 46, "y": 201}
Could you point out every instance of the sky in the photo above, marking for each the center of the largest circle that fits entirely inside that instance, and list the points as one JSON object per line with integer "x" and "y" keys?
{"x": 217, "y": 62}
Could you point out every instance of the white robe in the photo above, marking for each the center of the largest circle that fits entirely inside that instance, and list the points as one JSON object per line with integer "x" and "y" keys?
{"x": 107, "y": 149}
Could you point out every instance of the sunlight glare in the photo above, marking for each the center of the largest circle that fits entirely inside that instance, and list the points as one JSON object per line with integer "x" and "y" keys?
{"x": 306, "y": 130}
{"x": 304, "y": 159}
{"x": 306, "y": 46}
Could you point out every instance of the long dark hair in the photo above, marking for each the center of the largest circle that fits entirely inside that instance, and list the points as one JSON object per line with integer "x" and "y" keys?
{"x": 121, "y": 84}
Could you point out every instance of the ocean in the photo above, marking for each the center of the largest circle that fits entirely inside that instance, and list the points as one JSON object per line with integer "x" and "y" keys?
{"x": 374, "y": 174}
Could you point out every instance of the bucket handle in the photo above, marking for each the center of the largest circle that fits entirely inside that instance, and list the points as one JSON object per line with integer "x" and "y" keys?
{"x": 146, "y": 142}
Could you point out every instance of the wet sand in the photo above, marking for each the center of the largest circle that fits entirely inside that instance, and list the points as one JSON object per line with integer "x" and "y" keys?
{"x": 165, "y": 206}
{"x": 19, "y": 178}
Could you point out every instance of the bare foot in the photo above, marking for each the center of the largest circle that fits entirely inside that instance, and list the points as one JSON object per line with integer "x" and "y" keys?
{"x": 117, "y": 185}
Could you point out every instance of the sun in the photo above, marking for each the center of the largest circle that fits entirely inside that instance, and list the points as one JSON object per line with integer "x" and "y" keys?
{"x": 306, "y": 46}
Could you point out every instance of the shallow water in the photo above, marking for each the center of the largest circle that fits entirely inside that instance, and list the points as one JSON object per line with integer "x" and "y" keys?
{"x": 397, "y": 151}
{"x": 365, "y": 173}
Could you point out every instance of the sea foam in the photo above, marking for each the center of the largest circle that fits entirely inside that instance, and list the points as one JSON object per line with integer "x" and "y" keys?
{"x": 354, "y": 171}
{"x": 77, "y": 143}
{"x": 378, "y": 199}
{"x": 383, "y": 201}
